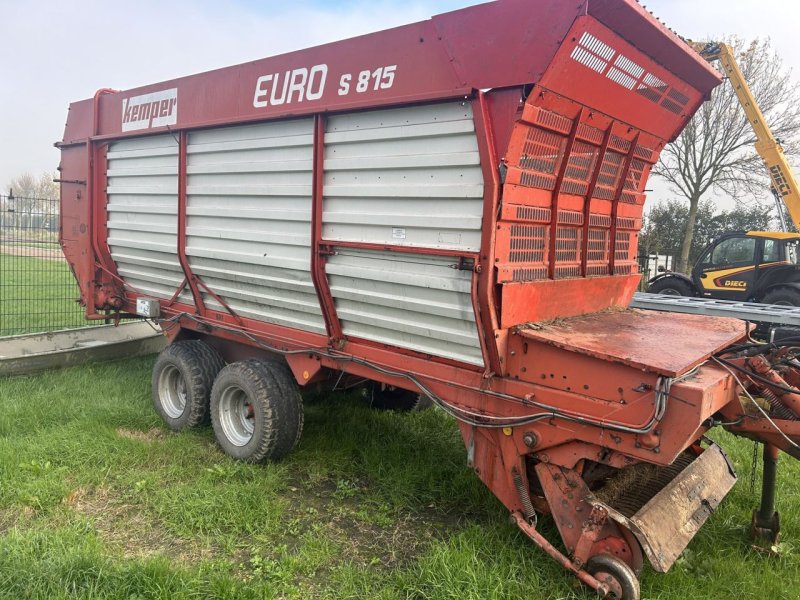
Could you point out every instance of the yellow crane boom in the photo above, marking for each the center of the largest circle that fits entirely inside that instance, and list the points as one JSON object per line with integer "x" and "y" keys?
{"x": 784, "y": 183}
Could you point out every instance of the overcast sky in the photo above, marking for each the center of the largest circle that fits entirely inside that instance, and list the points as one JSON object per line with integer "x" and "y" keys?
{"x": 53, "y": 52}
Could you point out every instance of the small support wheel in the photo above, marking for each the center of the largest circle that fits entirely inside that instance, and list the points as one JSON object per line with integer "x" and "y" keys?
{"x": 617, "y": 575}
{"x": 253, "y": 417}
{"x": 182, "y": 378}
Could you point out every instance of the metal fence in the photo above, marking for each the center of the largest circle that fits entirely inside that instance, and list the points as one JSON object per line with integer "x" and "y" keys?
{"x": 37, "y": 290}
{"x": 651, "y": 265}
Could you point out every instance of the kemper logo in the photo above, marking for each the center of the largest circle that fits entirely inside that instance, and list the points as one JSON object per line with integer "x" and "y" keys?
{"x": 150, "y": 110}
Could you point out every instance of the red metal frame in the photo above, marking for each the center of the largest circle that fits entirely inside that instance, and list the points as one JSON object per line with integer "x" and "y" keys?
{"x": 105, "y": 294}
{"x": 592, "y": 187}
{"x": 319, "y": 248}
{"x": 97, "y": 174}
{"x": 486, "y": 313}
{"x": 612, "y": 236}
{"x": 191, "y": 279}
{"x": 333, "y": 244}
{"x": 556, "y": 196}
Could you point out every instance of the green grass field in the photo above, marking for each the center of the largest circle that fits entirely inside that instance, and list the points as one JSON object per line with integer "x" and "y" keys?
{"x": 98, "y": 500}
{"x": 37, "y": 295}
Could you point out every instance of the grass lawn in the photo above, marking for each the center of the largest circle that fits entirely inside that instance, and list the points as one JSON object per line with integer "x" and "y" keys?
{"x": 37, "y": 295}
{"x": 98, "y": 500}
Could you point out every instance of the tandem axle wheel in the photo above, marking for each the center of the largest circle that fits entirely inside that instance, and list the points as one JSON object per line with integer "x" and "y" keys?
{"x": 254, "y": 406}
{"x": 182, "y": 378}
{"x": 256, "y": 411}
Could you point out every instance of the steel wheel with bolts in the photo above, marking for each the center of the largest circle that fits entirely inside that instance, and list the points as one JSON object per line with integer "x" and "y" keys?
{"x": 172, "y": 391}
{"x": 236, "y": 415}
{"x": 182, "y": 378}
{"x": 253, "y": 414}
{"x": 616, "y": 574}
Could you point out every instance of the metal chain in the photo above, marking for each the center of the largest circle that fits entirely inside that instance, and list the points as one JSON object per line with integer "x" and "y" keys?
{"x": 753, "y": 469}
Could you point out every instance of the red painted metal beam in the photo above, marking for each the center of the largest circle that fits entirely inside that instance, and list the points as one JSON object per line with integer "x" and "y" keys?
{"x": 103, "y": 291}
{"x": 96, "y": 174}
{"x": 551, "y": 264}
{"x": 319, "y": 249}
{"x": 486, "y": 310}
{"x": 398, "y": 249}
{"x": 615, "y": 203}
{"x": 191, "y": 279}
{"x": 587, "y": 207}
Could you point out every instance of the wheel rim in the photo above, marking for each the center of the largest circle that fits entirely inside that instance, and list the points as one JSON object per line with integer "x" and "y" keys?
{"x": 172, "y": 391}
{"x": 617, "y": 576}
{"x": 236, "y": 415}
{"x": 614, "y": 586}
{"x": 670, "y": 292}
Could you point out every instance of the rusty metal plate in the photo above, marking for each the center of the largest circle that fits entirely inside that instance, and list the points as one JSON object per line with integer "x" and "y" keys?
{"x": 670, "y": 519}
{"x": 666, "y": 343}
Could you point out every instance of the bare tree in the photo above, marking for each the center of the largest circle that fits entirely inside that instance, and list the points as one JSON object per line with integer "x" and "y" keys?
{"x": 29, "y": 195}
{"x": 27, "y": 185}
{"x": 715, "y": 152}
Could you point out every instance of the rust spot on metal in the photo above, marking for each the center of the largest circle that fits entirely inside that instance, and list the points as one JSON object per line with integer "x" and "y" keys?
{"x": 667, "y": 344}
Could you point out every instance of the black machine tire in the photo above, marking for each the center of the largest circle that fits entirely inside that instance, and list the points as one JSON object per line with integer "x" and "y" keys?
{"x": 783, "y": 296}
{"x": 182, "y": 378}
{"x": 385, "y": 397}
{"x": 671, "y": 286}
{"x": 252, "y": 417}
{"x": 617, "y": 575}
{"x": 289, "y": 388}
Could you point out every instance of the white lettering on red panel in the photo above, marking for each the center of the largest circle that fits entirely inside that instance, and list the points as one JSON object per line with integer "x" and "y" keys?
{"x": 308, "y": 84}
{"x": 150, "y": 110}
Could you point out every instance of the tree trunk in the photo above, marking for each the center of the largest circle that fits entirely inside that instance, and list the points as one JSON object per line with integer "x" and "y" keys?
{"x": 686, "y": 246}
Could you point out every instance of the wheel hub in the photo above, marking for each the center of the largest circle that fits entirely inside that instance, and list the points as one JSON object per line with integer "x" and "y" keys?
{"x": 611, "y": 582}
{"x": 236, "y": 415}
{"x": 172, "y": 391}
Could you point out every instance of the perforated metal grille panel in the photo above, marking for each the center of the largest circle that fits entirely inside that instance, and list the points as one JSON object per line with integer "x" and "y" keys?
{"x": 142, "y": 214}
{"x": 407, "y": 177}
{"x": 249, "y": 220}
{"x": 554, "y": 160}
{"x": 417, "y": 302}
{"x": 602, "y": 58}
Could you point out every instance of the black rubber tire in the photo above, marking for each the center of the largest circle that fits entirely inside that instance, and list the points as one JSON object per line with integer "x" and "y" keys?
{"x": 289, "y": 388}
{"x": 784, "y": 296}
{"x": 276, "y": 416}
{"x": 605, "y": 566}
{"x": 392, "y": 398}
{"x": 673, "y": 286}
{"x": 193, "y": 364}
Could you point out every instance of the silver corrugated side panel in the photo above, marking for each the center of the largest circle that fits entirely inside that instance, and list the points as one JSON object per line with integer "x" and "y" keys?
{"x": 406, "y": 176}
{"x": 417, "y": 302}
{"x": 249, "y": 220}
{"x": 142, "y": 214}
